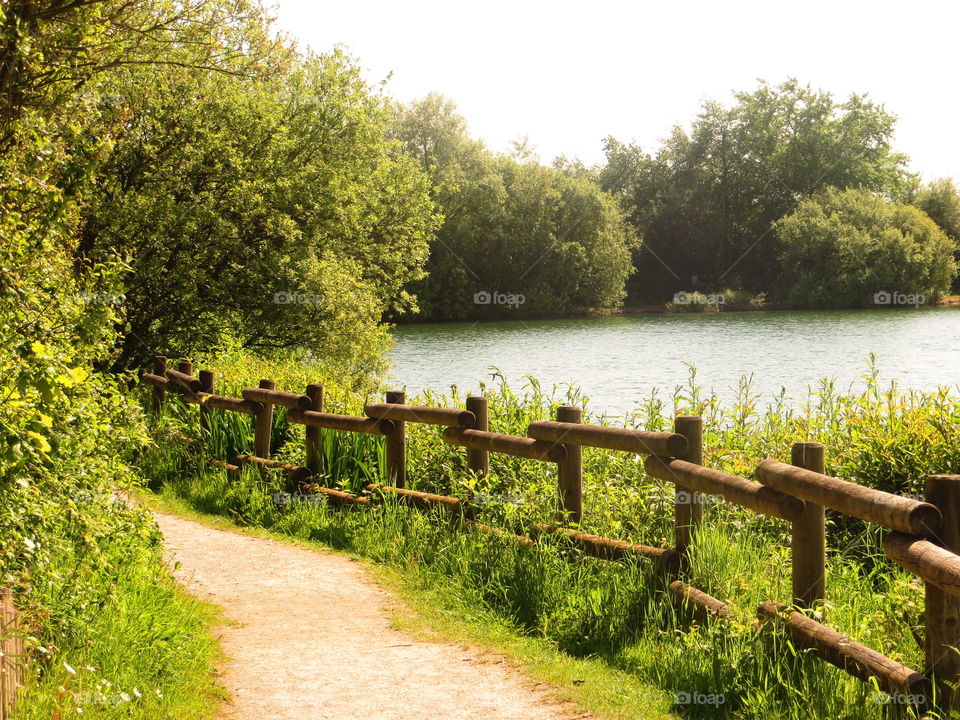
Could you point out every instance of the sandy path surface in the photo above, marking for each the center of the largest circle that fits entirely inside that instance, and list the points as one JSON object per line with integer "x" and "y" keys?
{"x": 309, "y": 637}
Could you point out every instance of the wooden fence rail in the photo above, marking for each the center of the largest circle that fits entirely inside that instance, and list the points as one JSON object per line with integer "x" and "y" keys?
{"x": 924, "y": 537}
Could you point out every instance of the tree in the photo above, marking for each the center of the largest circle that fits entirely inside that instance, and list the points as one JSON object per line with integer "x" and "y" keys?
{"x": 705, "y": 202}
{"x": 853, "y": 248}
{"x": 269, "y": 208}
{"x": 549, "y": 239}
{"x": 941, "y": 201}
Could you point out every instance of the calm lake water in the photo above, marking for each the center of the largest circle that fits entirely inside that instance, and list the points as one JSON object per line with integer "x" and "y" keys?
{"x": 619, "y": 360}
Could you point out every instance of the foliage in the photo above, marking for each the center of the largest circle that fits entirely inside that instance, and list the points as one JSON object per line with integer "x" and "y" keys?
{"x": 855, "y": 249}
{"x": 267, "y": 207}
{"x": 518, "y": 239}
{"x": 704, "y": 203}
{"x": 940, "y": 200}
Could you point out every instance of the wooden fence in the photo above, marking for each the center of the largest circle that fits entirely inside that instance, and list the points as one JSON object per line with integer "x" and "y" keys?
{"x": 924, "y": 537}
{"x": 11, "y": 654}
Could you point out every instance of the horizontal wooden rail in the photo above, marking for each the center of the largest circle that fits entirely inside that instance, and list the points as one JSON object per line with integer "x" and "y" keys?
{"x": 612, "y": 438}
{"x": 664, "y": 559}
{"x": 507, "y": 444}
{"x": 187, "y": 382}
{"x": 277, "y": 397}
{"x": 704, "y": 606}
{"x": 733, "y": 488}
{"x": 521, "y": 540}
{"x": 891, "y": 511}
{"x": 348, "y": 423}
{"x": 221, "y": 402}
{"x": 422, "y": 500}
{"x": 157, "y": 381}
{"x": 338, "y": 497}
{"x": 294, "y": 472}
{"x": 421, "y": 414}
{"x": 839, "y": 650}
{"x": 223, "y": 465}
{"x": 930, "y": 562}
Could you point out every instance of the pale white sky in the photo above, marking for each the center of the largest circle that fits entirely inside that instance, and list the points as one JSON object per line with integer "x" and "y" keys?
{"x": 567, "y": 74}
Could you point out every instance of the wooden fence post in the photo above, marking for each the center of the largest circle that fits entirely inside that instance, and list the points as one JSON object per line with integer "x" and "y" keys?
{"x": 397, "y": 444}
{"x": 206, "y": 380}
{"x": 478, "y": 460}
{"x": 314, "y": 456}
{"x": 570, "y": 471}
{"x": 808, "y": 542}
{"x": 943, "y": 610}
{"x": 263, "y": 425}
{"x": 11, "y": 654}
{"x": 688, "y": 505}
{"x": 159, "y": 368}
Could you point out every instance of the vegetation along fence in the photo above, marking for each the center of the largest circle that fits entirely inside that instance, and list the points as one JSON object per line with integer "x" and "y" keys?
{"x": 925, "y": 537}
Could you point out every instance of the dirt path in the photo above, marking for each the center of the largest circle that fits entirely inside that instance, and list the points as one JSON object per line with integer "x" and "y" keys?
{"x": 309, "y": 637}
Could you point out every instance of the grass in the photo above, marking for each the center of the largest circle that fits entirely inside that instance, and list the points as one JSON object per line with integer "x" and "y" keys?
{"x": 147, "y": 652}
{"x": 614, "y": 615}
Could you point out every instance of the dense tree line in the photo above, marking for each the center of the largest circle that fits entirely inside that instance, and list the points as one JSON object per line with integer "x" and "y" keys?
{"x": 517, "y": 238}
{"x": 707, "y": 202}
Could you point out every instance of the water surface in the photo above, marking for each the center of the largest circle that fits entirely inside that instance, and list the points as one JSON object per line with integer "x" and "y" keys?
{"x": 619, "y": 360}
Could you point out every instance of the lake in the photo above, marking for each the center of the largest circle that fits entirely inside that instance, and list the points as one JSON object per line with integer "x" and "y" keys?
{"x": 619, "y": 360}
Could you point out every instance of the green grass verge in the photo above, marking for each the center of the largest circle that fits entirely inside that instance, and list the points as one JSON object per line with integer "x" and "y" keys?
{"x": 146, "y": 652}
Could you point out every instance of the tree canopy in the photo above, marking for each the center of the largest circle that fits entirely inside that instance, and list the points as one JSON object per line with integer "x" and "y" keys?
{"x": 550, "y": 240}
{"x": 705, "y": 202}
{"x": 853, "y": 248}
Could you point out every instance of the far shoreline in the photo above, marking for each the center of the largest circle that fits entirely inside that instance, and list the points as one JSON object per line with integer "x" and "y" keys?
{"x": 950, "y": 301}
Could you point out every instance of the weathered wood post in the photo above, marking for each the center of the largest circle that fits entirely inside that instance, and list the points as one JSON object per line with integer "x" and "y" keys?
{"x": 12, "y": 665}
{"x": 808, "y": 543}
{"x": 314, "y": 456}
{"x": 570, "y": 471}
{"x": 263, "y": 424}
{"x": 159, "y": 368}
{"x": 186, "y": 367}
{"x": 397, "y": 444}
{"x": 688, "y": 505}
{"x": 943, "y": 610}
{"x": 478, "y": 460}
{"x": 206, "y": 380}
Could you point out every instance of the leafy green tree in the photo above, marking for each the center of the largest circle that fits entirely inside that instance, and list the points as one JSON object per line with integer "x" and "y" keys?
{"x": 705, "y": 202}
{"x": 268, "y": 208}
{"x": 66, "y": 431}
{"x": 511, "y": 226}
{"x": 940, "y": 199}
{"x": 853, "y": 248}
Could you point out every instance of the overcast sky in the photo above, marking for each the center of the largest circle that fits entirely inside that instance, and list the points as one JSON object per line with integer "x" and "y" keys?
{"x": 567, "y": 74}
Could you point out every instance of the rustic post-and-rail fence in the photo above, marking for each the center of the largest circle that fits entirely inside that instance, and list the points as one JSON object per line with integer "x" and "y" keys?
{"x": 925, "y": 537}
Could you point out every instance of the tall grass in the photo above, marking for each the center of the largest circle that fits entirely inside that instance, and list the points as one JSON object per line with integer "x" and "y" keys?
{"x": 881, "y": 437}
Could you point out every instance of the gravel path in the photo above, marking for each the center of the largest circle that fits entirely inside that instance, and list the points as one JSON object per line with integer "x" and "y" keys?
{"x": 308, "y": 636}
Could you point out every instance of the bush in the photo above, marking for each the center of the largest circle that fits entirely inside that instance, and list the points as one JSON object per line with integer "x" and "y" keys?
{"x": 841, "y": 248}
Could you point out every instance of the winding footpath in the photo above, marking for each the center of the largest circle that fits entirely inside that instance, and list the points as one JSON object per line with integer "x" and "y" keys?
{"x": 308, "y": 636}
